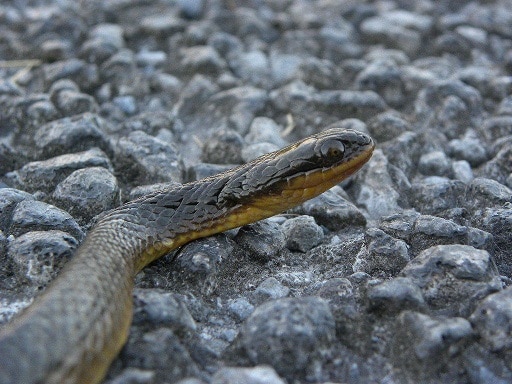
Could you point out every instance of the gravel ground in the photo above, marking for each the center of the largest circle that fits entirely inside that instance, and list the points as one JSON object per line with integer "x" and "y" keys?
{"x": 399, "y": 275}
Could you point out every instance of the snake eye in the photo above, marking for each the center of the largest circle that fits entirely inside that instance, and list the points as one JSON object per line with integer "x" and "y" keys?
{"x": 332, "y": 149}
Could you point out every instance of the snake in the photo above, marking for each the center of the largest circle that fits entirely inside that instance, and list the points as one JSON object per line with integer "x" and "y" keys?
{"x": 75, "y": 328}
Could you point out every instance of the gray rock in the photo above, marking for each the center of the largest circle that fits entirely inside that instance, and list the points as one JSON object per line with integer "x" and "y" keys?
{"x": 154, "y": 59}
{"x": 196, "y": 92}
{"x": 8, "y": 87}
{"x": 341, "y": 295}
{"x": 302, "y": 233}
{"x": 423, "y": 231}
{"x": 498, "y": 221}
{"x": 332, "y": 210}
{"x": 482, "y": 192}
{"x": 261, "y": 374}
{"x": 434, "y": 163}
{"x": 38, "y": 256}
{"x": 338, "y": 292}
{"x": 403, "y": 152}
{"x": 161, "y": 82}
{"x": 133, "y": 376}
{"x": 240, "y": 308}
{"x": 192, "y": 9}
{"x": 432, "y": 230}
{"x": 383, "y": 77}
{"x": 387, "y": 126}
{"x": 161, "y": 352}
{"x": 72, "y": 102}
{"x": 72, "y": 134}
{"x": 491, "y": 320}
{"x": 505, "y": 106}
{"x": 499, "y": 167}
{"x": 191, "y": 380}
{"x": 162, "y": 24}
{"x": 200, "y": 265}
{"x": 457, "y": 99}
{"x": 487, "y": 80}
{"x": 322, "y": 74}
{"x": 10, "y": 159}
{"x": 344, "y": 104}
{"x": 96, "y": 50}
{"x": 147, "y": 159}
{"x": 250, "y": 23}
{"x": 253, "y": 151}
{"x": 263, "y": 129}
{"x": 395, "y": 295}
{"x": 378, "y": 193}
{"x": 120, "y": 70}
{"x": 87, "y": 192}
{"x": 111, "y": 34}
{"x": 104, "y": 40}
{"x": 496, "y": 127}
{"x": 30, "y": 215}
{"x": 243, "y": 103}
{"x": 127, "y": 104}
{"x": 61, "y": 85}
{"x": 253, "y": 67}
{"x": 29, "y": 112}
{"x": 295, "y": 98}
{"x": 270, "y": 289}
{"x": 400, "y": 225}
{"x": 483, "y": 367}
{"x": 45, "y": 175}
{"x": 3, "y": 250}
{"x": 55, "y": 50}
{"x": 9, "y": 198}
{"x": 433, "y": 196}
{"x": 452, "y": 43}
{"x": 338, "y": 41}
{"x": 351, "y": 123}
{"x": 201, "y": 59}
{"x": 423, "y": 346}
{"x": 290, "y": 334}
{"x": 153, "y": 123}
{"x": 159, "y": 307}
{"x": 384, "y": 256}
{"x": 391, "y": 30}
{"x": 85, "y": 75}
{"x": 388, "y": 55}
{"x": 337, "y": 258}
{"x": 462, "y": 171}
{"x": 283, "y": 67}
{"x": 477, "y": 36}
{"x": 224, "y": 147}
{"x": 226, "y": 44}
{"x": 263, "y": 241}
{"x": 468, "y": 148}
{"x": 453, "y": 277}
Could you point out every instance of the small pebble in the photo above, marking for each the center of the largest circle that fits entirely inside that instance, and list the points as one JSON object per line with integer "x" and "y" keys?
{"x": 302, "y": 233}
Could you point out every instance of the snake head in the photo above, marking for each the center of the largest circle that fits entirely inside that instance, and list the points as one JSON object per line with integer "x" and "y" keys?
{"x": 299, "y": 171}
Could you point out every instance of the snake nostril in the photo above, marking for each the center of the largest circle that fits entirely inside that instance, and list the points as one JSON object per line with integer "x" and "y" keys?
{"x": 364, "y": 139}
{"x": 357, "y": 138}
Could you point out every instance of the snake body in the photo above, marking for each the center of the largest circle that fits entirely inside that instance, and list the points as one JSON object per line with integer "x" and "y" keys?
{"x": 77, "y": 326}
